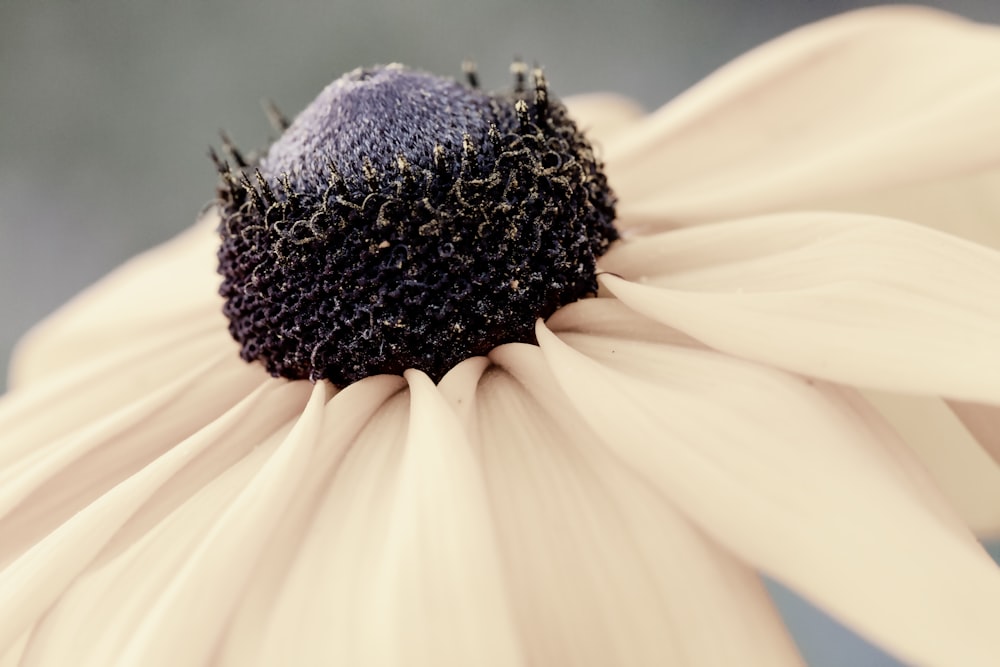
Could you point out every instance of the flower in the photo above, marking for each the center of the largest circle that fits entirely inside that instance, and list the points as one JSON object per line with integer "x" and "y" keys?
{"x": 738, "y": 399}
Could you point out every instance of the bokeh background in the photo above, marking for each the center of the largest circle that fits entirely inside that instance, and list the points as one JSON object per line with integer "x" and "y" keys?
{"x": 107, "y": 108}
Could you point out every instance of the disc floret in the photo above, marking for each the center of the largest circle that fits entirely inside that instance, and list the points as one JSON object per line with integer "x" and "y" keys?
{"x": 406, "y": 221}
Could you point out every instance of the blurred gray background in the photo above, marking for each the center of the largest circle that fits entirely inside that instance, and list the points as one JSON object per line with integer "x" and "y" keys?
{"x": 107, "y": 108}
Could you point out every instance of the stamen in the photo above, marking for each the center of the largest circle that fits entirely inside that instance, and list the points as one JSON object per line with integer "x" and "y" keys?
{"x": 221, "y": 165}
{"x": 520, "y": 72}
{"x": 541, "y": 91}
{"x": 252, "y": 195}
{"x": 471, "y": 76}
{"x": 521, "y": 107}
{"x": 277, "y": 119}
{"x": 371, "y": 176}
{"x": 234, "y": 154}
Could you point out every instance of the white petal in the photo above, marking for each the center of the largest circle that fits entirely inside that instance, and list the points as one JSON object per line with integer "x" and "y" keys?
{"x": 960, "y": 466}
{"x": 46, "y": 481}
{"x": 15, "y": 652}
{"x": 90, "y": 391}
{"x": 257, "y": 613}
{"x": 967, "y": 205}
{"x": 789, "y": 478}
{"x": 170, "y": 288}
{"x": 95, "y": 620}
{"x": 612, "y": 318}
{"x": 983, "y": 422}
{"x": 601, "y": 116}
{"x": 400, "y": 567}
{"x": 131, "y": 508}
{"x": 602, "y": 570}
{"x": 848, "y": 106}
{"x": 178, "y": 627}
{"x": 855, "y": 299}
{"x": 439, "y": 599}
{"x": 315, "y": 618}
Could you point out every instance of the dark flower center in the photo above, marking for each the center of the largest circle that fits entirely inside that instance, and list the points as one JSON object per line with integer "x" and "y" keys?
{"x": 408, "y": 221}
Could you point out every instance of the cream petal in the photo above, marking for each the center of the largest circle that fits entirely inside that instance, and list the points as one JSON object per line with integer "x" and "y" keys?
{"x": 44, "y": 483}
{"x": 454, "y": 386}
{"x": 847, "y": 106}
{"x": 601, "y": 116}
{"x": 345, "y": 415}
{"x": 611, "y": 317}
{"x": 960, "y": 466}
{"x": 132, "y": 507}
{"x": 169, "y": 288}
{"x": 419, "y": 583}
{"x": 854, "y": 299}
{"x": 178, "y": 627}
{"x": 983, "y": 422}
{"x": 96, "y": 619}
{"x": 439, "y": 598}
{"x": 14, "y": 654}
{"x": 788, "y": 477}
{"x": 601, "y": 570}
{"x": 84, "y": 393}
{"x": 315, "y": 617}
{"x": 967, "y": 205}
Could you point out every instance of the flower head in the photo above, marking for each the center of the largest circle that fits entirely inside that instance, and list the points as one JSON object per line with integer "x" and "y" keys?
{"x": 407, "y": 221}
{"x": 605, "y": 489}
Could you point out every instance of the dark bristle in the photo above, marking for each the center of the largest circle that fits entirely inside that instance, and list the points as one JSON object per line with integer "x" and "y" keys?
{"x": 541, "y": 91}
{"x": 521, "y": 107}
{"x": 405, "y": 172}
{"x": 520, "y": 72}
{"x": 286, "y": 187}
{"x": 266, "y": 193}
{"x": 370, "y": 175}
{"x": 220, "y": 165}
{"x": 251, "y": 192}
{"x": 440, "y": 165}
{"x": 468, "y": 147}
{"x": 471, "y": 75}
{"x": 277, "y": 119}
{"x": 234, "y": 153}
{"x": 335, "y": 180}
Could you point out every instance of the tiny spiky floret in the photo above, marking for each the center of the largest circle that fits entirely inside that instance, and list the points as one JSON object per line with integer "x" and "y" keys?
{"x": 406, "y": 221}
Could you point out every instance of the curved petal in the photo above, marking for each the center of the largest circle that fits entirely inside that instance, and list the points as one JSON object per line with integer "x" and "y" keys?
{"x": 983, "y": 422}
{"x": 13, "y": 657}
{"x": 602, "y": 116}
{"x": 439, "y": 599}
{"x": 959, "y": 464}
{"x": 164, "y": 290}
{"x": 966, "y": 205}
{"x": 399, "y": 567}
{"x": 787, "y": 476}
{"x": 851, "y": 105}
{"x": 44, "y": 482}
{"x": 95, "y": 619}
{"x": 255, "y": 616}
{"x": 854, "y": 299}
{"x": 177, "y": 626}
{"x": 124, "y": 513}
{"x": 315, "y": 617}
{"x": 612, "y": 318}
{"x": 84, "y": 393}
{"x": 602, "y": 571}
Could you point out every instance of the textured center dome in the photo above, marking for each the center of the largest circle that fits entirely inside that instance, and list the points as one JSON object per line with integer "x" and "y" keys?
{"x": 380, "y": 114}
{"x": 405, "y": 220}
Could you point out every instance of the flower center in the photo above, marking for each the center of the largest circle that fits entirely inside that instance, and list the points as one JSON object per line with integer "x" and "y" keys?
{"x": 405, "y": 221}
